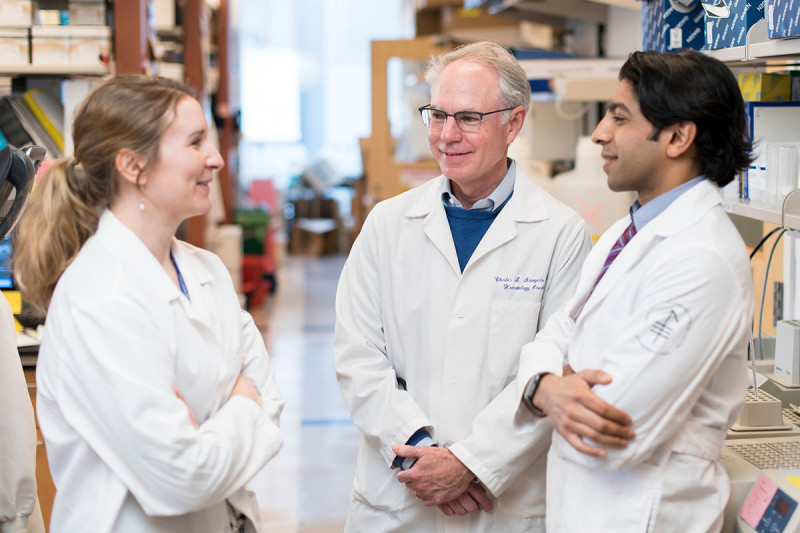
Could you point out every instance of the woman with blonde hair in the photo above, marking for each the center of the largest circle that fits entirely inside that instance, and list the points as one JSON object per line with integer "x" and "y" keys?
{"x": 156, "y": 397}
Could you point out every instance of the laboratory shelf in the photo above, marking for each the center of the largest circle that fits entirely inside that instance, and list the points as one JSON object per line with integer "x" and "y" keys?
{"x": 759, "y": 49}
{"x": 788, "y": 217}
{"x": 755, "y": 210}
{"x": 54, "y": 70}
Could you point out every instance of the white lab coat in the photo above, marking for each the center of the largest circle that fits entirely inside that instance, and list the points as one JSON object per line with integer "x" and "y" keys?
{"x": 119, "y": 336}
{"x": 404, "y": 309}
{"x": 19, "y": 509}
{"x": 669, "y": 322}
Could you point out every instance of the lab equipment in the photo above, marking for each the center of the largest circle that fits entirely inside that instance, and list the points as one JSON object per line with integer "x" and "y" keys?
{"x": 762, "y": 411}
{"x": 787, "y": 352}
{"x": 771, "y": 505}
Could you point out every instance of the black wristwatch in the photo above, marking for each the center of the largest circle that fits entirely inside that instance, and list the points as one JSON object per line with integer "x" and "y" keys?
{"x": 530, "y": 390}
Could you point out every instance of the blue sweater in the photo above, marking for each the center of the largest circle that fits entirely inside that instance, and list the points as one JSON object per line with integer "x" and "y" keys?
{"x": 468, "y": 228}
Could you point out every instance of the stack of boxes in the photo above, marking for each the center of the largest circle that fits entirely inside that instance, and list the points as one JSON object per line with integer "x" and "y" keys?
{"x": 55, "y": 33}
{"x": 728, "y": 21}
{"x": 672, "y": 25}
{"x": 783, "y": 18}
{"x": 15, "y": 19}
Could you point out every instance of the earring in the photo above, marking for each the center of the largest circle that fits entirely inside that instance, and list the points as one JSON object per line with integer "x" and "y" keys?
{"x": 141, "y": 202}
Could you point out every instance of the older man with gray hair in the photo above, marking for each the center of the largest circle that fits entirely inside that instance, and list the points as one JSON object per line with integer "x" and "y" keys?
{"x": 443, "y": 287}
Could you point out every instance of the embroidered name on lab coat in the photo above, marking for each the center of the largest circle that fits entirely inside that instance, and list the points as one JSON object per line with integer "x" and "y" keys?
{"x": 668, "y": 324}
{"x": 519, "y": 283}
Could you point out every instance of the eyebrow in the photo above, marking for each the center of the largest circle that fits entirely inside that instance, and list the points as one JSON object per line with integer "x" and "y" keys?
{"x": 614, "y": 106}
{"x": 199, "y": 131}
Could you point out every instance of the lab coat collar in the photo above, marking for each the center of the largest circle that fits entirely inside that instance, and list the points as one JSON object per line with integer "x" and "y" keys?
{"x": 526, "y": 205}
{"x": 686, "y": 209}
{"x": 682, "y": 213}
{"x": 141, "y": 263}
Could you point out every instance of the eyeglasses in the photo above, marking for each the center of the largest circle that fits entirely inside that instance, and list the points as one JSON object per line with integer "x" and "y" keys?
{"x": 469, "y": 121}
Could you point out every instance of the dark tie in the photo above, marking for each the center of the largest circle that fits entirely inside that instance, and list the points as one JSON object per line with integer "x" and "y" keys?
{"x": 626, "y": 236}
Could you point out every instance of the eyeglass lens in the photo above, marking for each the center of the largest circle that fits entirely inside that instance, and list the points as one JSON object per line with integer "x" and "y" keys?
{"x": 466, "y": 120}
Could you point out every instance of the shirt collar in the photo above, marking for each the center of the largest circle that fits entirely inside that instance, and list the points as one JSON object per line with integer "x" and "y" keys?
{"x": 642, "y": 214}
{"x": 491, "y": 202}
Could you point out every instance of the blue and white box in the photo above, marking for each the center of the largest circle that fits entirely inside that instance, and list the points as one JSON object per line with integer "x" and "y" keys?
{"x": 783, "y": 18}
{"x": 671, "y": 25}
{"x": 728, "y": 21}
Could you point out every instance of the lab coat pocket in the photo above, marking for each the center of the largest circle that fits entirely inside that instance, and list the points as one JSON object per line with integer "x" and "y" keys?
{"x": 376, "y": 484}
{"x": 512, "y": 324}
{"x": 626, "y": 503}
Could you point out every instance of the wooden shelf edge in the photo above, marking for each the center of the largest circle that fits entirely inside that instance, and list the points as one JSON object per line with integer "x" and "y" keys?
{"x": 56, "y": 70}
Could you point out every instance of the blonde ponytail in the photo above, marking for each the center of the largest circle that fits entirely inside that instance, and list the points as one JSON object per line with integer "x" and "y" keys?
{"x": 54, "y": 226}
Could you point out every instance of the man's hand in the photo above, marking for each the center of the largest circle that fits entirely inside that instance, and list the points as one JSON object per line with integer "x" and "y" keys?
{"x": 577, "y": 413}
{"x": 474, "y": 498}
{"x": 437, "y": 477}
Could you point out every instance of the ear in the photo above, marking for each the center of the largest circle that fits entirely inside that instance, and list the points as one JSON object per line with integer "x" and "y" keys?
{"x": 129, "y": 164}
{"x": 515, "y": 122}
{"x": 680, "y": 138}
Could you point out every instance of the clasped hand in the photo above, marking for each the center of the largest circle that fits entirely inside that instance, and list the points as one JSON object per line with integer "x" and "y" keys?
{"x": 577, "y": 413}
{"x": 439, "y": 478}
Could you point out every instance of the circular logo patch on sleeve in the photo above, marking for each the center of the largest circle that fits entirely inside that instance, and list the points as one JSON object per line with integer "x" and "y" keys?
{"x": 668, "y": 324}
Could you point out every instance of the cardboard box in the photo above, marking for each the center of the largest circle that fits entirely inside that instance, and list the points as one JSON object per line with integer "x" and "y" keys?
{"x": 16, "y": 13}
{"x": 783, "y": 18}
{"x": 760, "y": 87}
{"x": 670, "y": 25}
{"x": 728, "y": 21}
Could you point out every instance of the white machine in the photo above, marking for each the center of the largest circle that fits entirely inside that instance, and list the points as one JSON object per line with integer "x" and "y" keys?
{"x": 765, "y": 440}
{"x": 787, "y": 352}
{"x": 771, "y": 505}
{"x": 757, "y": 505}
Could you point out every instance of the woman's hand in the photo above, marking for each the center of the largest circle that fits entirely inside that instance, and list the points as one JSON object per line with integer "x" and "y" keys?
{"x": 192, "y": 418}
{"x": 244, "y": 386}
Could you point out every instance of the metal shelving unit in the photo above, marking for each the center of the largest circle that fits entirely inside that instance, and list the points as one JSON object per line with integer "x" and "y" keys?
{"x": 760, "y": 50}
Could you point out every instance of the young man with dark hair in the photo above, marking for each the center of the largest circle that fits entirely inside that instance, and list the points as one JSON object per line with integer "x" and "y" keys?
{"x": 660, "y": 320}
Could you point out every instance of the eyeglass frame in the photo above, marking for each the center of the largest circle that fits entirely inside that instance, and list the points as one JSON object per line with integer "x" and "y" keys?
{"x": 481, "y": 115}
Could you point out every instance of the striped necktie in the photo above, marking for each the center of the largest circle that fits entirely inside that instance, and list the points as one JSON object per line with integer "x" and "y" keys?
{"x": 626, "y": 236}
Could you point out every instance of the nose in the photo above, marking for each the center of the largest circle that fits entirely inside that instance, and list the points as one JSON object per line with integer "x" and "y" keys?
{"x": 600, "y": 135}
{"x": 450, "y": 131}
{"x": 214, "y": 160}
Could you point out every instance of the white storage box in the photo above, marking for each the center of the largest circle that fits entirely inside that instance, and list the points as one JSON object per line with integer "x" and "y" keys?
{"x": 16, "y": 13}
{"x": 89, "y": 44}
{"x": 50, "y": 45}
{"x": 87, "y": 13}
{"x": 14, "y": 46}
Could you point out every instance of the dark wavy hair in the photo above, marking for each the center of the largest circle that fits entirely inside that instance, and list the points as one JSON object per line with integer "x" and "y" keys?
{"x": 690, "y": 86}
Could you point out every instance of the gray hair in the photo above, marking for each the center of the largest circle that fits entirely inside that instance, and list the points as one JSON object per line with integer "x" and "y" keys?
{"x": 514, "y": 87}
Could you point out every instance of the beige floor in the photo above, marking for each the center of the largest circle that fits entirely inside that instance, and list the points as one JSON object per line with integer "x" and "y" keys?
{"x": 305, "y": 489}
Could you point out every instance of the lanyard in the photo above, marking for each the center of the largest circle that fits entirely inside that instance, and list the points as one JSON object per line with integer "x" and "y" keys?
{"x": 181, "y": 283}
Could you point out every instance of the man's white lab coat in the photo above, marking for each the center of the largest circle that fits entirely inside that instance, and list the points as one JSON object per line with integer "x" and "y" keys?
{"x": 119, "y": 336}
{"x": 669, "y": 322}
{"x": 405, "y": 311}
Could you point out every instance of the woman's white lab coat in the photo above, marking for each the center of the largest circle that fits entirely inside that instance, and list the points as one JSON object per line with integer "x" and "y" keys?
{"x": 405, "y": 310}
{"x": 119, "y": 338}
{"x": 19, "y": 508}
{"x": 669, "y": 322}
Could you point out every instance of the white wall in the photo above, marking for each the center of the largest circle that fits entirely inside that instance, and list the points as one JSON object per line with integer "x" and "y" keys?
{"x": 623, "y": 31}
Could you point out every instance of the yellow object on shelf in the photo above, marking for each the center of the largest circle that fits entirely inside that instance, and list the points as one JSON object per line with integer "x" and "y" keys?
{"x": 760, "y": 87}
{"x": 15, "y": 301}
